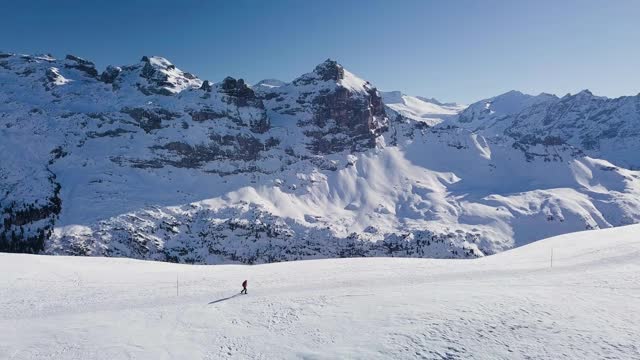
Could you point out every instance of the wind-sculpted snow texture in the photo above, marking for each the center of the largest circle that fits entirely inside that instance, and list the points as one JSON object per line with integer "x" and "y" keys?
{"x": 148, "y": 161}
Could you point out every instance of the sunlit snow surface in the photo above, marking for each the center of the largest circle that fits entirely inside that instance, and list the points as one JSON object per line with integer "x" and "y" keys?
{"x": 512, "y": 305}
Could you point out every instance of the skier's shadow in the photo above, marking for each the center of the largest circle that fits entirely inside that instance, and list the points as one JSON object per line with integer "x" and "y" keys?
{"x": 224, "y": 299}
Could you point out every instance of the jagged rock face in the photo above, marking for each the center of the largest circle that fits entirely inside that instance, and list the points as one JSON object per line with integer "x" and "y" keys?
{"x": 148, "y": 161}
{"x": 336, "y": 110}
{"x": 584, "y": 120}
{"x": 153, "y": 75}
{"x": 241, "y": 95}
{"x": 344, "y": 119}
{"x": 81, "y": 64}
{"x": 110, "y": 74}
{"x": 237, "y": 88}
{"x": 597, "y": 126}
{"x": 329, "y": 70}
{"x": 206, "y": 86}
{"x": 339, "y": 113}
{"x": 149, "y": 119}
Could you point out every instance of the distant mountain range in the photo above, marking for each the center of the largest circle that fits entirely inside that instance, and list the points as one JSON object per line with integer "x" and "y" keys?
{"x": 148, "y": 161}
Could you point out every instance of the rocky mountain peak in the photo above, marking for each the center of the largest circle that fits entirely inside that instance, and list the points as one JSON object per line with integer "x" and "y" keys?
{"x": 330, "y": 70}
{"x": 110, "y": 74}
{"x": 239, "y": 93}
{"x": 152, "y": 75}
{"x": 78, "y": 63}
{"x": 585, "y": 94}
{"x": 157, "y": 62}
{"x": 238, "y": 87}
{"x": 206, "y": 86}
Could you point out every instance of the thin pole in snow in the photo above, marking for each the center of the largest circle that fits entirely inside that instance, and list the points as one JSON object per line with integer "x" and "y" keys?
{"x": 177, "y": 286}
{"x": 551, "y": 257}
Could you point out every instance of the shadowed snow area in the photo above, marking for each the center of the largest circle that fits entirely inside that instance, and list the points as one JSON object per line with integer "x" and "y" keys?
{"x": 513, "y": 305}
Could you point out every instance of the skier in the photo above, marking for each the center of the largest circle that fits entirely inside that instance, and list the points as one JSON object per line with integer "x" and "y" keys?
{"x": 244, "y": 287}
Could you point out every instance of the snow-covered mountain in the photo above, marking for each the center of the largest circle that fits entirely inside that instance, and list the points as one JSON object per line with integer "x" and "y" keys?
{"x": 148, "y": 161}
{"x": 598, "y": 126}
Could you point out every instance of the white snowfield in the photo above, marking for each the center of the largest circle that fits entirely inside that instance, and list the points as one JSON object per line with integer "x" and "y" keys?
{"x": 513, "y": 305}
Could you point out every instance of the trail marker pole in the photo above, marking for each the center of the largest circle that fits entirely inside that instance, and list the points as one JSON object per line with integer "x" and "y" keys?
{"x": 551, "y": 257}
{"x": 177, "y": 286}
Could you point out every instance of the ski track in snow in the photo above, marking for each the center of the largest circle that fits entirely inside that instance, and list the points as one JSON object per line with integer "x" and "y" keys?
{"x": 508, "y": 306}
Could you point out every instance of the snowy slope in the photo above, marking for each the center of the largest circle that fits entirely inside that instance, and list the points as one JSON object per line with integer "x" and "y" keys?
{"x": 150, "y": 162}
{"x": 510, "y": 306}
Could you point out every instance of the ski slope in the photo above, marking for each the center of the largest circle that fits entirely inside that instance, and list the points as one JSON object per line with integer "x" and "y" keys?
{"x": 508, "y": 306}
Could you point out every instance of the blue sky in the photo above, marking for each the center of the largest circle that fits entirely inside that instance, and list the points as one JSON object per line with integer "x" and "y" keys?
{"x": 462, "y": 50}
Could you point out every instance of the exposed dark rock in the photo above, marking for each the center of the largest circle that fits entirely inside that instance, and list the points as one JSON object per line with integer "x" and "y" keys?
{"x": 57, "y": 153}
{"x": 110, "y": 74}
{"x": 269, "y": 96}
{"x": 149, "y": 119}
{"x": 241, "y": 95}
{"x": 158, "y": 81}
{"x": 52, "y": 78}
{"x": 222, "y": 147}
{"x": 330, "y": 70}
{"x": 108, "y": 133}
{"x": 203, "y": 115}
{"x": 260, "y": 125}
{"x": 346, "y": 121}
{"x": 139, "y": 164}
{"x": 81, "y": 64}
{"x": 238, "y": 90}
{"x": 148, "y": 70}
{"x": 52, "y": 75}
{"x": 206, "y": 86}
